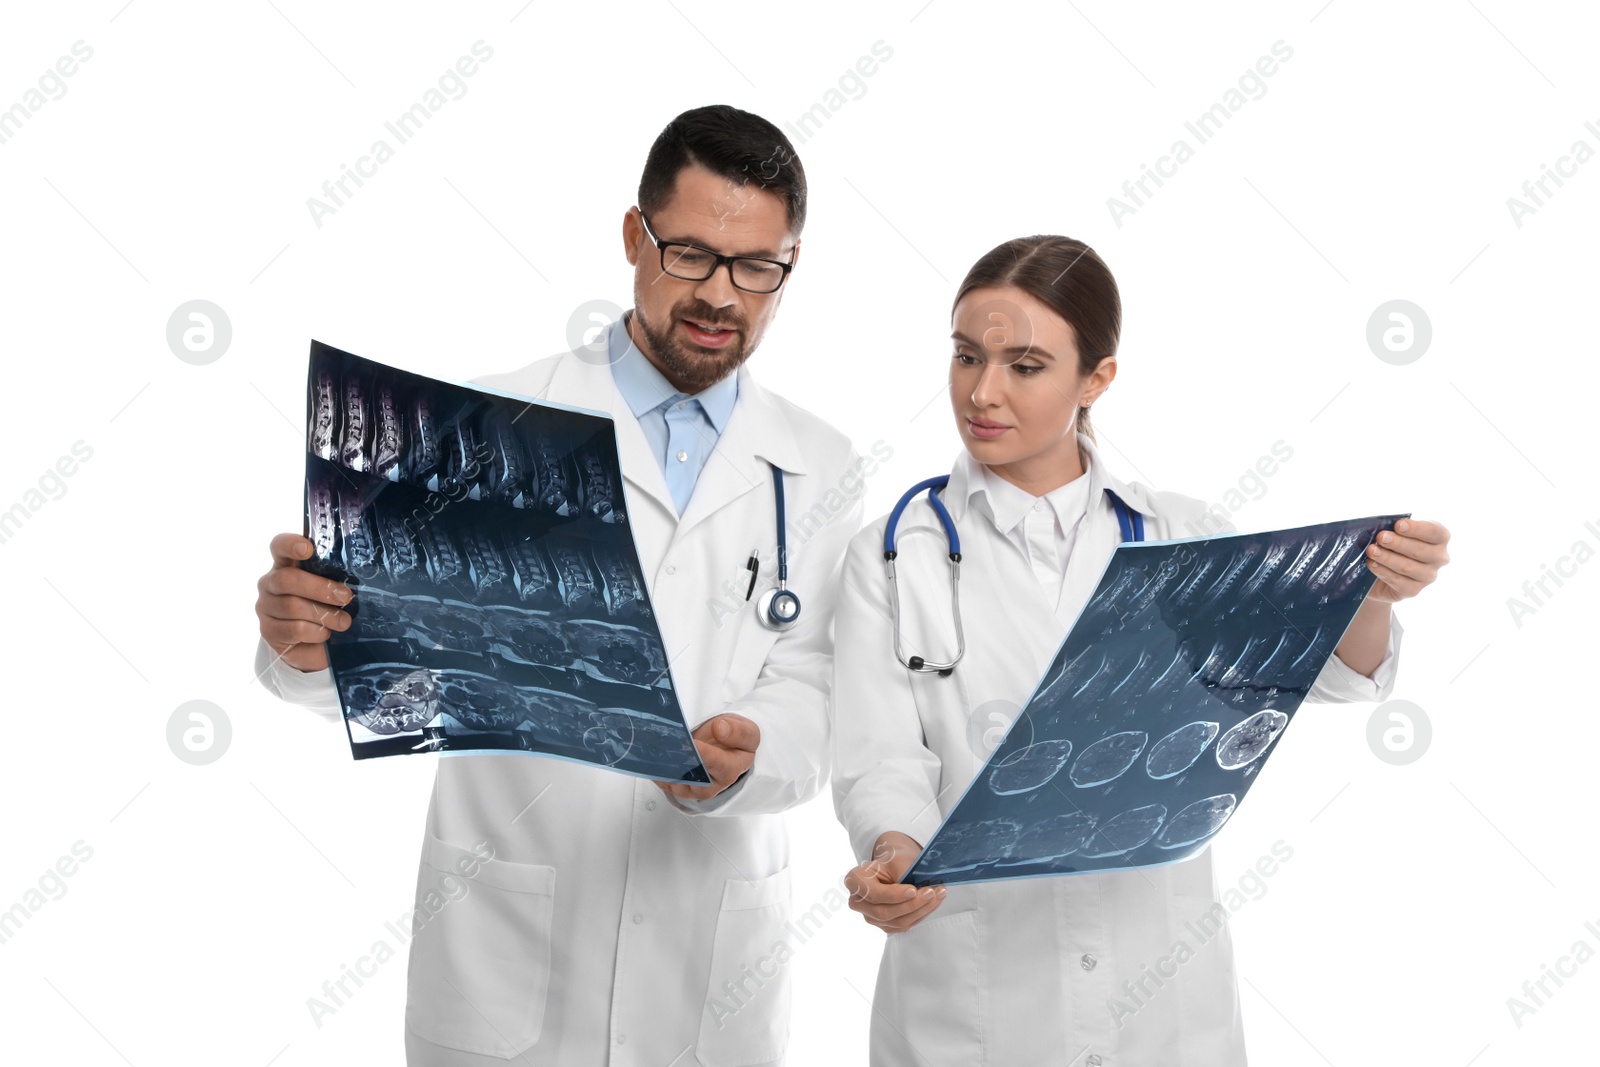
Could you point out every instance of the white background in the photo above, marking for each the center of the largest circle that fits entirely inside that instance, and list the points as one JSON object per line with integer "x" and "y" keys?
{"x": 1376, "y": 166}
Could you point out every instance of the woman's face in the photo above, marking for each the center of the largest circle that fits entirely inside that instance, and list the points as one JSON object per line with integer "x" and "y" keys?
{"x": 1015, "y": 388}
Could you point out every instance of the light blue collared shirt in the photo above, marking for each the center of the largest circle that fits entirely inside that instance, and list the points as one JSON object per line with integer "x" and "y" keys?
{"x": 682, "y": 429}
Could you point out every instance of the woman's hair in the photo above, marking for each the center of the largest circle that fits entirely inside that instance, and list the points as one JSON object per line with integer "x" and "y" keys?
{"x": 1069, "y": 278}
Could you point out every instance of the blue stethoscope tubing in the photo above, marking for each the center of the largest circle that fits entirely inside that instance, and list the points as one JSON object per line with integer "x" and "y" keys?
{"x": 779, "y": 608}
{"x": 1129, "y": 522}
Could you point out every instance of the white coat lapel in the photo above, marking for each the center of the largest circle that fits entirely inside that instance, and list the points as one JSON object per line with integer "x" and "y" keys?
{"x": 1038, "y": 630}
{"x": 758, "y": 432}
{"x": 1092, "y": 551}
{"x": 1001, "y": 566}
{"x": 1136, "y": 497}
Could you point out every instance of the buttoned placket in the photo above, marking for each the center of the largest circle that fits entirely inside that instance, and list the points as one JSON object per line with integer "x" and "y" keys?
{"x": 1039, "y": 527}
{"x": 1048, "y": 562}
{"x": 1087, "y": 934}
{"x": 684, "y": 438}
{"x": 624, "y": 1015}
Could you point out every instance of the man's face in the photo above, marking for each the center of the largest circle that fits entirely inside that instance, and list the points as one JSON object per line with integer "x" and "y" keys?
{"x": 724, "y": 217}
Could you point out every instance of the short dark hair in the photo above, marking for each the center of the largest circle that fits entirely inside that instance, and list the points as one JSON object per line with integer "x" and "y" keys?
{"x": 733, "y": 144}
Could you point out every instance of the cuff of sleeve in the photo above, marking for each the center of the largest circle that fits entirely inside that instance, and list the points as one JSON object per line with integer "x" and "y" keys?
{"x": 919, "y": 825}
{"x": 691, "y": 806}
{"x": 313, "y": 689}
{"x": 1380, "y": 683}
{"x": 922, "y": 827}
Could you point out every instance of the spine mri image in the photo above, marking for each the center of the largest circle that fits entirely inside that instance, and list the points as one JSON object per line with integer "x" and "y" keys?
{"x": 499, "y": 603}
{"x": 1160, "y": 707}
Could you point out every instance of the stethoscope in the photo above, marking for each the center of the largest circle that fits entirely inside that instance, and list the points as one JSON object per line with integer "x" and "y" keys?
{"x": 779, "y": 607}
{"x": 1129, "y": 522}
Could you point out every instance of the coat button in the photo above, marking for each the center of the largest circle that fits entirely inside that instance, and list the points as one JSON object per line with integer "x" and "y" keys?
{"x": 1088, "y": 961}
{"x": 1093, "y": 1061}
{"x": 621, "y": 1037}
{"x": 672, "y": 569}
{"x": 649, "y": 805}
{"x": 637, "y": 918}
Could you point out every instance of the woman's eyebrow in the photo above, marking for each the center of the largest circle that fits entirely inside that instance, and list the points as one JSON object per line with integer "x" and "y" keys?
{"x": 1014, "y": 350}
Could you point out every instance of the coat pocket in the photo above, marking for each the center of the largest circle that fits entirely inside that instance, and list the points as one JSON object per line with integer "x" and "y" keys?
{"x": 1202, "y": 1002}
{"x": 480, "y": 954}
{"x": 751, "y": 646}
{"x": 930, "y": 995}
{"x": 746, "y": 1018}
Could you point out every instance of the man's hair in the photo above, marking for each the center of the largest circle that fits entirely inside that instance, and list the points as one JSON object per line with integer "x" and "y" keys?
{"x": 743, "y": 148}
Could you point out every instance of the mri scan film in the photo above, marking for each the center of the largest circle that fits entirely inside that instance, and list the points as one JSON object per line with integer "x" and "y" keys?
{"x": 1161, "y": 706}
{"x": 499, "y": 603}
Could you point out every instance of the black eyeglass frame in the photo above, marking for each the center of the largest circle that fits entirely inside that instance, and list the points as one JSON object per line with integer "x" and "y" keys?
{"x": 720, "y": 261}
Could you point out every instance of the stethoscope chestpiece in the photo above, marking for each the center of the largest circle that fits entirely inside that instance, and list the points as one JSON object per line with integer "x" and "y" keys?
{"x": 778, "y": 609}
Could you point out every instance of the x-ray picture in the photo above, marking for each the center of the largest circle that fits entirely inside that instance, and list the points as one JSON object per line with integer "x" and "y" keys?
{"x": 499, "y": 603}
{"x": 1161, "y": 707}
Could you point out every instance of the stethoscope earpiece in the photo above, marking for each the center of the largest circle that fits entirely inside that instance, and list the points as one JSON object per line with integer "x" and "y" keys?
{"x": 1129, "y": 522}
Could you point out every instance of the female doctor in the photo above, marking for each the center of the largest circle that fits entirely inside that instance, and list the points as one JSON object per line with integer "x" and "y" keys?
{"x": 1127, "y": 967}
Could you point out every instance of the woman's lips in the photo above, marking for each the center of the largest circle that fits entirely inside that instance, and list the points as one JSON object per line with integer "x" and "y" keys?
{"x": 707, "y": 340}
{"x": 985, "y": 430}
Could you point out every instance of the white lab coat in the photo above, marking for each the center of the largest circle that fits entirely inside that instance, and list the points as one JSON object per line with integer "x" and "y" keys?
{"x": 1028, "y": 971}
{"x": 611, "y": 927}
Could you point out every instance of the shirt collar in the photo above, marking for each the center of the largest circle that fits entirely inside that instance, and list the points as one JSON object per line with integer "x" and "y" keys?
{"x": 1009, "y": 504}
{"x": 645, "y": 388}
{"x": 1135, "y": 494}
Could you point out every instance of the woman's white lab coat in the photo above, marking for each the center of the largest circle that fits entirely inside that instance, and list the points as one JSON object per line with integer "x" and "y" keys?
{"x": 610, "y": 927}
{"x": 1076, "y": 969}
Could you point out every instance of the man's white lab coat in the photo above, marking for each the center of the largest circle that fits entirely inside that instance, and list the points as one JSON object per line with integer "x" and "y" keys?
{"x": 611, "y": 927}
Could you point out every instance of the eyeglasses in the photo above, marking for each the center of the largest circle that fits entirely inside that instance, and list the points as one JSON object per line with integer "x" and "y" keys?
{"x": 695, "y": 264}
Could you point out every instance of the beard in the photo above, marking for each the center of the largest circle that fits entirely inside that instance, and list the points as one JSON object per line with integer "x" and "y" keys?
{"x": 696, "y": 367}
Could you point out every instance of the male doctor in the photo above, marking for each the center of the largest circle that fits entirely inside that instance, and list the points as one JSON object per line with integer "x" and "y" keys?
{"x": 620, "y": 920}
